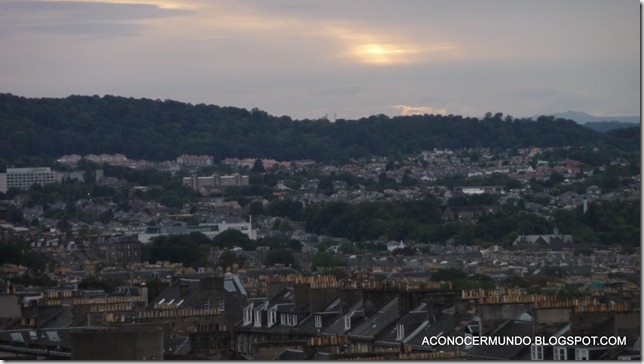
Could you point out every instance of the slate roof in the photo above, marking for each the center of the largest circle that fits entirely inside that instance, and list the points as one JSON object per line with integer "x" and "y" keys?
{"x": 413, "y": 321}
{"x": 356, "y": 312}
{"x": 330, "y": 314}
{"x": 190, "y": 293}
{"x": 504, "y": 352}
{"x": 290, "y": 354}
{"x": 371, "y": 327}
{"x": 174, "y": 293}
{"x": 442, "y": 324}
{"x": 56, "y": 342}
{"x": 179, "y": 345}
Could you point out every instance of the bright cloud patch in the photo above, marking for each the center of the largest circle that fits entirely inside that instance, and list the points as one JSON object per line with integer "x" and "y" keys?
{"x": 419, "y": 110}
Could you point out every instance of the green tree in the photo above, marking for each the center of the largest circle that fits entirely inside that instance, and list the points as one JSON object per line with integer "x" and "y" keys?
{"x": 231, "y": 238}
{"x": 326, "y": 260}
{"x": 280, "y": 256}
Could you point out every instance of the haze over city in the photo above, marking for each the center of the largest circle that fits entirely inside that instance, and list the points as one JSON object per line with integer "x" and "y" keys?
{"x": 341, "y": 59}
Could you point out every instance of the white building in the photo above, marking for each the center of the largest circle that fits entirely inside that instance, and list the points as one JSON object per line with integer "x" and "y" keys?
{"x": 208, "y": 229}
{"x": 24, "y": 178}
{"x": 214, "y": 181}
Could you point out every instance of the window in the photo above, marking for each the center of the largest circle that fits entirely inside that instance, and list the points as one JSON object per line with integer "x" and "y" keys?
{"x": 272, "y": 317}
{"x": 347, "y": 322}
{"x": 536, "y": 352}
{"x": 248, "y": 314}
{"x": 581, "y": 354}
{"x": 258, "y": 318}
{"x": 560, "y": 353}
{"x": 400, "y": 332}
{"x": 222, "y": 306}
{"x": 206, "y": 304}
{"x": 318, "y": 321}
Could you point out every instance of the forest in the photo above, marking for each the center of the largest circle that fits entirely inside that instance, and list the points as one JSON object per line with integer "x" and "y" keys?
{"x": 37, "y": 131}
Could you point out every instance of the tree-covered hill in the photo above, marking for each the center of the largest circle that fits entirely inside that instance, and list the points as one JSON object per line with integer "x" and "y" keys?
{"x": 47, "y": 128}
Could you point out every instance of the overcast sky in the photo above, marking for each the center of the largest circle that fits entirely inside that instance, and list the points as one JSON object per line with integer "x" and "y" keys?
{"x": 348, "y": 58}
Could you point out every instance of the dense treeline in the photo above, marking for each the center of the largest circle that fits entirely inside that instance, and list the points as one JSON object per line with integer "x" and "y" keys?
{"x": 39, "y": 130}
{"x": 605, "y": 223}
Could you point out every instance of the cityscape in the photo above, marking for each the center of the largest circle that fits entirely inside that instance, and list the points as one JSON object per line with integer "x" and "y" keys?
{"x": 321, "y": 296}
{"x": 441, "y": 180}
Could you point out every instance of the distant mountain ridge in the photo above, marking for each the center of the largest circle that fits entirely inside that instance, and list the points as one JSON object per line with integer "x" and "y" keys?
{"x": 583, "y": 118}
{"x": 601, "y": 124}
{"x": 36, "y": 130}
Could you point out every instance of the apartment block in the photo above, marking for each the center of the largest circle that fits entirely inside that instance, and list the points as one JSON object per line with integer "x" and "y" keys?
{"x": 24, "y": 178}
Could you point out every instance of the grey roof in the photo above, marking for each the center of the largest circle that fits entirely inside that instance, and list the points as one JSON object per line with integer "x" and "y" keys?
{"x": 179, "y": 345}
{"x": 442, "y": 324}
{"x": 337, "y": 326}
{"x": 232, "y": 283}
{"x": 290, "y": 354}
{"x": 55, "y": 342}
{"x": 371, "y": 327}
{"x": 173, "y": 293}
{"x": 412, "y": 322}
{"x": 504, "y": 352}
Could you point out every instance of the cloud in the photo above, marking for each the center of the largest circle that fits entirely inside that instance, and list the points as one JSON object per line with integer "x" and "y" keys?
{"x": 345, "y": 90}
{"x": 384, "y": 47}
{"x": 418, "y": 110}
{"x": 83, "y": 18}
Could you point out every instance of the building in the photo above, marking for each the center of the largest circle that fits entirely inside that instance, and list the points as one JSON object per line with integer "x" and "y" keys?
{"x": 118, "y": 343}
{"x": 24, "y": 178}
{"x": 195, "y": 160}
{"x": 123, "y": 250}
{"x": 205, "y": 184}
{"x": 208, "y": 229}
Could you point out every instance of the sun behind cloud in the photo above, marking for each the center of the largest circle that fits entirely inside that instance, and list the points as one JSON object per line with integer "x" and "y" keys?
{"x": 383, "y": 54}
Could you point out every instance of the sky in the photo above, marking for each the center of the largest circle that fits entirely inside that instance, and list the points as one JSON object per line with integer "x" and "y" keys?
{"x": 336, "y": 58}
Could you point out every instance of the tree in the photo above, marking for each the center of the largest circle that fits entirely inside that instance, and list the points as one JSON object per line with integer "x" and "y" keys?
{"x": 279, "y": 256}
{"x": 231, "y": 238}
{"x": 285, "y": 208}
{"x": 448, "y": 274}
{"x": 229, "y": 258}
{"x": 258, "y": 166}
{"x": 326, "y": 260}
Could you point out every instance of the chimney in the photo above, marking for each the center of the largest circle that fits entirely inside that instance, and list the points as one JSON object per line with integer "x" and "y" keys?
{"x": 301, "y": 292}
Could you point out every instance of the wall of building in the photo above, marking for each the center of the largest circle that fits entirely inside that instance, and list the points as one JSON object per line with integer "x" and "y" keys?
{"x": 494, "y": 314}
{"x": 118, "y": 344}
{"x": 550, "y": 320}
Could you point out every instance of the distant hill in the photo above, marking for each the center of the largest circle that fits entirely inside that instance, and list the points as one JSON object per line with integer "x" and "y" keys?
{"x": 37, "y": 130}
{"x": 599, "y": 123}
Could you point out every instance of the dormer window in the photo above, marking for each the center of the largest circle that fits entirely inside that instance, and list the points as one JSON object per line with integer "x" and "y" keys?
{"x": 400, "y": 332}
{"x": 536, "y": 352}
{"x": 258, "y": 318}
{"x": 347, "y": 322}
{"x": 272, "y": 316}
{"x": 248, "y": 314}
{"x": 222, "y": 305}
{"x": 560, "y": 353}
{"x": 581, "y": 354}
{"x": 318, "y": 321}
